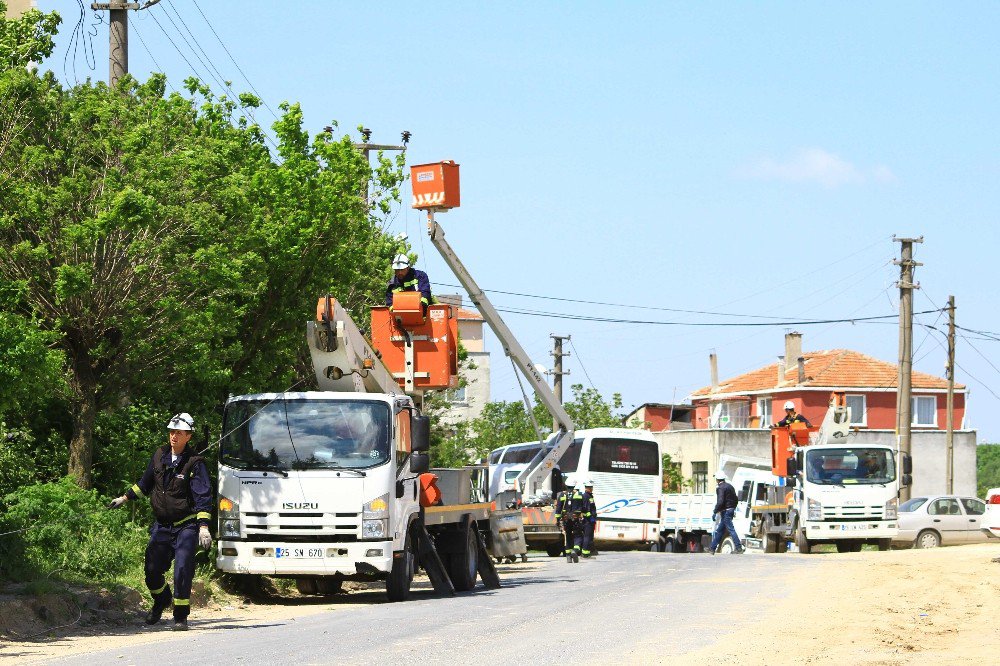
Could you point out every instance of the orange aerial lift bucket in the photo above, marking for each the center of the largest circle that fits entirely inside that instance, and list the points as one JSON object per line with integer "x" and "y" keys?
{"x": 783, "y": 440}
{"x": 434, "y": 340}
{"x": 435, "y": 185}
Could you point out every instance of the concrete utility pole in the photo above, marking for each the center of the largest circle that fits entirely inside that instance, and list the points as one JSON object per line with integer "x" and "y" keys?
{"x": 117, "y": 36}
{"x": 904, "y": 407}
{"x": 950, "y": 374}
{"x": 557, "y": 370}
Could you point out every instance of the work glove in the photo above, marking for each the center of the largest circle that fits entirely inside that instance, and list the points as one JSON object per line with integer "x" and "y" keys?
{"x": 117, "y": 502}
{"x": 204, "y": 538}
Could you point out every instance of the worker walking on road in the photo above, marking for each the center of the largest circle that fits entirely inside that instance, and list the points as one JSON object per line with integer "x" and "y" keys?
{"x": 725, "y": 508}
{"x": 180, "y": 492}
{"x": 570, "y": 510}
{"x": 791, "y": 416}
{"x": 407, "y": 278}
{"x": 589, "y": 519}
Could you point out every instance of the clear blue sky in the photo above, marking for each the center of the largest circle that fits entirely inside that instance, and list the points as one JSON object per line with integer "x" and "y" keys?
{"x": 745, "y": 158}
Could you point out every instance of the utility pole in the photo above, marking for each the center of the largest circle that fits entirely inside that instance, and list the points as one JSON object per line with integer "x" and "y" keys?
{"x": 904, "y": 407}
{"x": 557, "y": 370}
{"x": 950, "y": 374}
{"x": 367, "y": 147}
{"x": 117, "y": 36}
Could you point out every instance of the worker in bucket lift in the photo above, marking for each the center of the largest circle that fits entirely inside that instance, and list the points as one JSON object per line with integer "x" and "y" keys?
{"x": 725, "y": 508}
{"x": 791, "y": 416}
{"x": 407, "y": 278}
{"x": 180, "y": 492}
{"x": 589, "y": 519}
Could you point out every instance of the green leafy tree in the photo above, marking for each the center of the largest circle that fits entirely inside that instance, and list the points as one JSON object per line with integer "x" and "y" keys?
{"x": 26, "y": 39}
{"x": 987, "y": 467}
{"x": 159, "y": 247}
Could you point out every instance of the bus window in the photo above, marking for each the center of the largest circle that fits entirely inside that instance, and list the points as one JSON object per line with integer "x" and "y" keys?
{"x": 520, "y": 455}
{"x": 624, "y": 456}
{"x": 570, "y": 460}
{"x": 495, "y": 456}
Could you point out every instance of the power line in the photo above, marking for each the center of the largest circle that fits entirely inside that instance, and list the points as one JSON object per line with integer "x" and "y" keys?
{"x": 240, "y": 69}
{"x": 578, "y": 358}
{"x": 142, "y": 41}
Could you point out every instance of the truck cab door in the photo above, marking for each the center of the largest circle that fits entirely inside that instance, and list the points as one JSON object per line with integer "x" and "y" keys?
{"x": 407, "y": 492}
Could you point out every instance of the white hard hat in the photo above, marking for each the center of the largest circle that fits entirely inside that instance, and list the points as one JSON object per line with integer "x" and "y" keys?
{"x": 571, "y": 480}
{"x": 401, "y": 261}
{"x": 720, "y": 476}
{"x": 588, "y": 482}
{"x": 182, "y": 421}
{"x": 789, "y": 404}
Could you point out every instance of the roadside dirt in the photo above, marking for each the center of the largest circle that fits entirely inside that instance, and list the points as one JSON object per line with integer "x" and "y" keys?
{"x": 939, "y": 606}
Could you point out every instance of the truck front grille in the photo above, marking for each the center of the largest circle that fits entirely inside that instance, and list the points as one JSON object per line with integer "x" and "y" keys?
{"x": 288, "y": 523}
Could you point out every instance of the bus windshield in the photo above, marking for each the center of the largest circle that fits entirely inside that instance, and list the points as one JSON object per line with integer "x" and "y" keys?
{"x": 305, "y": 434}
{"x": 861, "y": 466}
{"x": 624, "y": 456}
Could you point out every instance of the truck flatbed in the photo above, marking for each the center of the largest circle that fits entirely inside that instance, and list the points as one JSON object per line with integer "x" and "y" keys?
{"x": 443, "y": 515}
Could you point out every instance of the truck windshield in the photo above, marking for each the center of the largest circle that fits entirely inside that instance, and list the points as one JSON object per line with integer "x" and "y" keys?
{"x": 305, "y": 434}
{"x": 850, "y": 466}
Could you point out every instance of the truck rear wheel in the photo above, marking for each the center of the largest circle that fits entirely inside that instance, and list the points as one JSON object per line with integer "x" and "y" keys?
{"x": 884, "y": 544}
{"x": 397, "y": 586}
{"x": 554, "y": 549}
{"x": 845, "y": 546}
{"x": 770, "y": 543}
{"x": 802, "y": 542}
{"x": 463, "y": 563}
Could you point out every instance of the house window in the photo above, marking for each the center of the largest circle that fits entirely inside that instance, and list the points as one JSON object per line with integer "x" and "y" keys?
{"x": 456, "y": 394}
{"x": 699, "y": 476}
{"x": 764, "y": 411}
{"x": 924, "y": 410}
{"x": 729, "y": 414}
{"x": 856, "y": 409}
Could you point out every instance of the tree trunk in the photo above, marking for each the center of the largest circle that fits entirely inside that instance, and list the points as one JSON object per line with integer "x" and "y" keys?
{"x": 81, "y": 446}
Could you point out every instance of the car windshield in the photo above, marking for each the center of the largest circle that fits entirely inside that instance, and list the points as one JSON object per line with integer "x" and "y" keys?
{"x": 859, "y": 466}
{"x": 911, "y": 505}
{"x": 305, "y": 434}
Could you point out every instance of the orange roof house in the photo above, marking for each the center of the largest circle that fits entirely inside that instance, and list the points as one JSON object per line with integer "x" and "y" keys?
{"x": 756, "y": 398}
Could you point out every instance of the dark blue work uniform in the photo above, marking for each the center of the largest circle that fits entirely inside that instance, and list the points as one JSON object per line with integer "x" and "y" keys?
{"x": 414, "y": 280}
{"x": 180, "y": 493}
{"x": 789, "y": 420}
{"x": 589, "y": 523}
{"x": 573, "y": 510}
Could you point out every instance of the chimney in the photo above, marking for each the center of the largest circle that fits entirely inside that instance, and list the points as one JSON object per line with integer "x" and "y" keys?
{"x": 781, "y": 370}
{"x": 793, "y": 346}
{"x": 802, "y": 369}
{"x": 713, "y": 362}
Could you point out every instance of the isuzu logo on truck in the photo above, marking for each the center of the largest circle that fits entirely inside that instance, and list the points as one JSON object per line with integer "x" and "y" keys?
{"x": 300, "y": 505}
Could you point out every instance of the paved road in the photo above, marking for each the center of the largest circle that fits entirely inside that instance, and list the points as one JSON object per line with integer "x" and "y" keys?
{"x": 629, "y": 607}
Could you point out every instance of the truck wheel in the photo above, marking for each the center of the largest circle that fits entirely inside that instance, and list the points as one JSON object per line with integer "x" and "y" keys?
{"x": 463, "y": 565}
{"x": 802, "y": 542}
{"x": 845, "y": 547}
{"x": 306, "y": 585}
{"x": 782, "y": 544}
{"x": 554, "y": 550}
{"x": 397, "y": 586}
{"x": 770, "y": 543}
{"x": 884, "y": 544}
{"x": 856, "y": 546}
{"x": 927, "y": 539}
{"x": 328, "y": 585}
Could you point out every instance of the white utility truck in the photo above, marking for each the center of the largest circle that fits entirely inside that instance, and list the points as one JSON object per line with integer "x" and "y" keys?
{"x": 823, "y": 487}
{"x": 330, "y": 485}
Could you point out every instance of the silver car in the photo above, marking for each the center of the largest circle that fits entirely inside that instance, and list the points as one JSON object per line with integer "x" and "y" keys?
{"x": 940, "y": 520}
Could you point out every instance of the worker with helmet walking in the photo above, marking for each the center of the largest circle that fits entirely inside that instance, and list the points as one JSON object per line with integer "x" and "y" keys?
{"x": 180, "y": 492}
{"x": 407, "y": 278}
{"x": 589, "y": 519}
{"x": 571, "y": 510}
{"x": 791, "y": 416}
{"x": 725, "y": 508}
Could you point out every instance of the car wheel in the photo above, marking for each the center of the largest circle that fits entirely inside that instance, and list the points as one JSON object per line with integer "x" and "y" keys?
{"x": 927, "y": 539}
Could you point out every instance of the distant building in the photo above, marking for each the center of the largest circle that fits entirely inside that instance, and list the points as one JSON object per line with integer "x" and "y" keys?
{"x": 659, "y": 417}
{"x": 466, "y": 402}
{"x": 17, "y": 7}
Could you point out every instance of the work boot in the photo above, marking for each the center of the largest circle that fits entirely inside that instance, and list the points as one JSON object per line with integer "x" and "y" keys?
{"x": 710, "y": 551}
{"x": 180, "y": 625}
{"x": 160, "y": 603}
{"x": 739, "y": 551}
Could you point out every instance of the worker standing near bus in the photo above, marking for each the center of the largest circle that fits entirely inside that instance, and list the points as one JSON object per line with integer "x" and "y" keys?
{"x": 589, "y": 519}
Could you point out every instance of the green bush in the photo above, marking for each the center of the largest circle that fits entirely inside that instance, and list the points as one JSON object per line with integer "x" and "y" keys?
{"x": 17, "y": 468}
{"x": 67, "y": 531}
{"x": 987, "y": 467}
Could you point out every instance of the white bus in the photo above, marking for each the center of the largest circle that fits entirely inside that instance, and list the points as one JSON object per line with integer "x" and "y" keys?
{"x": 624, "y": 465}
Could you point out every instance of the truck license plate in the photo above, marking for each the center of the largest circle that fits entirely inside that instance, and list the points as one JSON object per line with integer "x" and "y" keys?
{"x": 298, "y": 553}
{"x": 853, "y": 528}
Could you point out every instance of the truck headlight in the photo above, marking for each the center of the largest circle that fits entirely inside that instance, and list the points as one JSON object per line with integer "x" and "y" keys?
{"x": 377, "y": 508}
{"x": 814, "y": 510}
{"x": 229, "y": 518}
{"x": 374, "y": 529}
{"x": 892, "y": 509}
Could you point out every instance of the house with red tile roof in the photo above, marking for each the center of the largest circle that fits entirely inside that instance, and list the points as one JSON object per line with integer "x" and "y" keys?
{"x": 756, "y": 399}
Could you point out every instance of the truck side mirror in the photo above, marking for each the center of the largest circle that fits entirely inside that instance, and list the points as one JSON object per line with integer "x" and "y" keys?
{"x": 420, "y": 462}
{"x": 420, "y": 434}
{"x": 907, "y": 464}
{"x": 792, "y": 465}
{"x": 906, "y": 480}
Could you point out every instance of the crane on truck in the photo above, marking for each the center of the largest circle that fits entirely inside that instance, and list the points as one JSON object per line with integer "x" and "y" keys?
{"x": 332, "y": 485}
{"x": 436, "y": 189}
